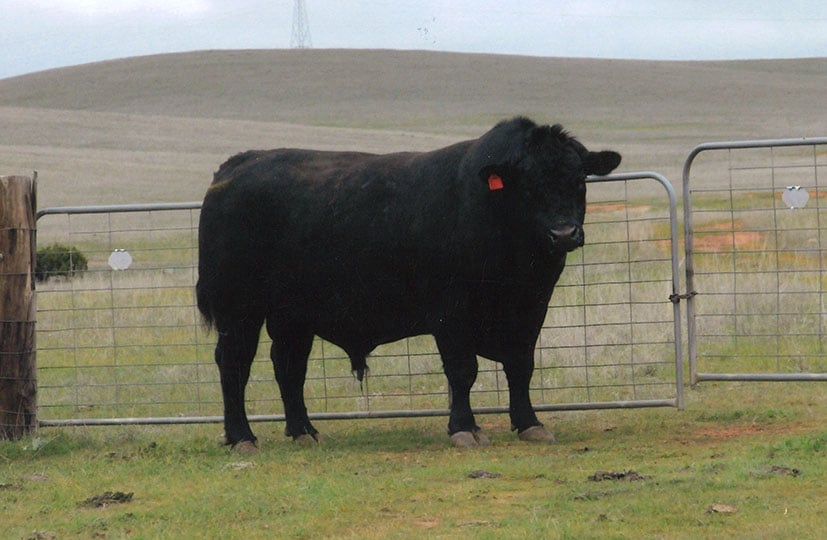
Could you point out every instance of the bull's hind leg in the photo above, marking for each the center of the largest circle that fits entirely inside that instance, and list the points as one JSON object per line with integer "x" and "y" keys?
{"x": 234, "y": 355}
{"x": 289, "y": 352}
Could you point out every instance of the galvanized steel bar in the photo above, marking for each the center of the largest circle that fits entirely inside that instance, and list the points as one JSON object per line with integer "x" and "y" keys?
{"x": 118, "y": 208}
{"x": 355, "y": 415}
{"x": 762, "y": 377}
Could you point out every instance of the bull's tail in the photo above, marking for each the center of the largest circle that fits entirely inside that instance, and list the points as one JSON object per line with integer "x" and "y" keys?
{"x": 203, "y": 300}
{"x": 208, "y": 290}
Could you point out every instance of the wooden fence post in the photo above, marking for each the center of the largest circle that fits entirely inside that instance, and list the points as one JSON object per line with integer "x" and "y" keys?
{"x": 18, "y": 385}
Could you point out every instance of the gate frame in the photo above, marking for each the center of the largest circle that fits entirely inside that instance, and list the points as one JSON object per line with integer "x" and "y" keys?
{"x": 674, "y": 298}
{"x": 692, "y": 349}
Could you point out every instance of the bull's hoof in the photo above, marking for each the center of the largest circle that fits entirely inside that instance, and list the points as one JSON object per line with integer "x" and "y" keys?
{"x": 245, "y": 448}
{"x": 536, "y": 434}
{"x": 306, "y": 439}
{"x": 463, "y": 439}
{"x": 469, "y": 439}
{"x": 481, "y": 438}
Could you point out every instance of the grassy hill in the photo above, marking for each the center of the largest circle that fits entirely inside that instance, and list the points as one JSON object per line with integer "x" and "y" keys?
{"x": 155, "y": 128}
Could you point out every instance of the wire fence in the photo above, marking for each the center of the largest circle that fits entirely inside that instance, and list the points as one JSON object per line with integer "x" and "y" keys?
{"x": 756, "y": 255}
{"x": 122, "y": 341}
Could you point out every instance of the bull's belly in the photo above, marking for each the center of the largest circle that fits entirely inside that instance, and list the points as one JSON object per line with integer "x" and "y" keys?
{"x": 359, "y": 332}
{"x": 359, "y": 318}
{"x": 355, "y": 307}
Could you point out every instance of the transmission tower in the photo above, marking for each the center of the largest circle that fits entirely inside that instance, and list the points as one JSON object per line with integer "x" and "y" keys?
{"x": 300, "y": 37}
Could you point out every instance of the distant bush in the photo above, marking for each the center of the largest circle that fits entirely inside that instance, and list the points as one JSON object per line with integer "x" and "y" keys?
{"x": 59, "y": 260}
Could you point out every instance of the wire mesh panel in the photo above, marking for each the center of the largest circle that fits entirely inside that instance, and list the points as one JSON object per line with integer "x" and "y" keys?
{"x": 122, "y": 342}
{"x": 119, "y": 334}
{"x": 756, "y": 225}
{"x": 611, "y": 334}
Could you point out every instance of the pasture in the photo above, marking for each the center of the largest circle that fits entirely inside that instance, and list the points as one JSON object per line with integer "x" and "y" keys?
{"x": 743, "y": 459}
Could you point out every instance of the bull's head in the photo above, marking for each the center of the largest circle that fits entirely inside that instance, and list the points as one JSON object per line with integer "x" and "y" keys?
{"x": 540, "y": 173}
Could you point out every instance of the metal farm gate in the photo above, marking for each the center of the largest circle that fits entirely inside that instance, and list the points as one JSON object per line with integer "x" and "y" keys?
{"x": 122, "y": 342}
{"x": 755, "y": 219}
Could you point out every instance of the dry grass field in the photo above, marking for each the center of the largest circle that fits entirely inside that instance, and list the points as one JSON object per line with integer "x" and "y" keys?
{"x": 155, "y": 128}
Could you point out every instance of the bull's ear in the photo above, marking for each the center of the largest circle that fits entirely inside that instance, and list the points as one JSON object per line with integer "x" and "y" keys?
{"x": 601, "y": 163}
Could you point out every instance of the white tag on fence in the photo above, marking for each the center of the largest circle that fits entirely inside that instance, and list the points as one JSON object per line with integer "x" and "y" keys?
{"x": 795, "y": 197}
{"x": 120, "y": 259}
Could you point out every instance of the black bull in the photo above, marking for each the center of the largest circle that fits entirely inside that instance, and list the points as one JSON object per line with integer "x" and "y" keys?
{"x": 464, "y": 243}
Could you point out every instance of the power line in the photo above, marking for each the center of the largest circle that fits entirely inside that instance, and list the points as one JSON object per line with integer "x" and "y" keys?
{"x": 300, "y": 36}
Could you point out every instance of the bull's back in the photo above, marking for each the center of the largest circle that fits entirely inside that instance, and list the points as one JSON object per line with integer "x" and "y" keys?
{"x": 330, "y": 234}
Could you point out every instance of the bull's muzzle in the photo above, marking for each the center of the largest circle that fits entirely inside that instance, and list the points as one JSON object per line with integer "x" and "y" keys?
{"x": 568, "y": 237}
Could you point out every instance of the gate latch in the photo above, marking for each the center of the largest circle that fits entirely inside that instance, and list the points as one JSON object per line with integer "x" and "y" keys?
{"x": 676, "y": 298}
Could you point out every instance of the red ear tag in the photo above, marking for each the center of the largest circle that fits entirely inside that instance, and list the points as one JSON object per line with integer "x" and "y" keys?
{"x": 495, "y": 182}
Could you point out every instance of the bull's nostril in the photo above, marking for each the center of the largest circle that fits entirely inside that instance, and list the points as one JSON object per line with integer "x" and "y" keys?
{"x": 569, "y": 237}
{"x": 564, "y": 232}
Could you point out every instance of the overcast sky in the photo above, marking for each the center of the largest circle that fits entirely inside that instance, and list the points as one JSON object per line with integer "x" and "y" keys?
{"x": 43, "y": 34}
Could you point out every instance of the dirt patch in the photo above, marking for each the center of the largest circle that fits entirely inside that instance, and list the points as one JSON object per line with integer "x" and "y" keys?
{"x": 718, "y": 508}
{"x": 726, "y": 236}
{"x": 628, "y": 476}
{"x": 735, "y": 240}
{"x": 483, "y": 474}
{"x": 616, "y": 207}
{"x": 107, "y": 499}
{"x": 724, "y": 433}
{"x": 426, "y": 523}
{"x": 715, "y": 433}
{"x": 785, "y": 471}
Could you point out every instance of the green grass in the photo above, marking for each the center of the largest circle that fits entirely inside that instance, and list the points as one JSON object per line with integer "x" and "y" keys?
{"x": 759, "y": 449}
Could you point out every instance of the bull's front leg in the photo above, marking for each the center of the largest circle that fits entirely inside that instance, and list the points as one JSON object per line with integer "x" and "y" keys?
{"x": 518, "y": 371}
{"x": 460, "y": 366}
